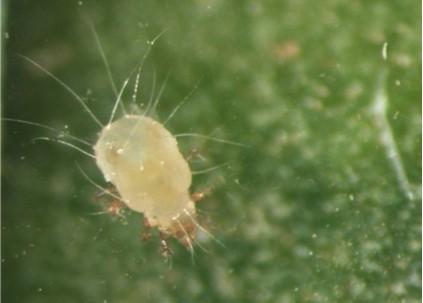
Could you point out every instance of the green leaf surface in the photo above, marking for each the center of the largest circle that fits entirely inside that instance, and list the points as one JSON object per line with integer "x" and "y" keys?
{"x": 324, "y": 203}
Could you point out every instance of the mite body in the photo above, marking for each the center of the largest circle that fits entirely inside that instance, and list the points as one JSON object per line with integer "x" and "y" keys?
{"x": 141, "y": 158}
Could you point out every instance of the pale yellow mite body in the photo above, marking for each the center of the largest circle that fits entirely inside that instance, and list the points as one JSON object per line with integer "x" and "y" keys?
{"x": 141, "y": 158}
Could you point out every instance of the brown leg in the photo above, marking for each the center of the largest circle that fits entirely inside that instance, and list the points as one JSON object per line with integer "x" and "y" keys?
{"x": 111, "y": 204}
{"x": 114, "y": 208}
{"x": 100, "y": 194}
{"x": 146, "y": 231}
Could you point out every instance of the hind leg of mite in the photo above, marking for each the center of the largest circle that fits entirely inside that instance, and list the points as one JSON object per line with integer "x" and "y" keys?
{"x": 165, "y": 249}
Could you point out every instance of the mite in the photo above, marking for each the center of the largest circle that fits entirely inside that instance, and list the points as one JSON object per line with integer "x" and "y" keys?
{"x": 142, "y": 161}
{"x": 141, "y": 158}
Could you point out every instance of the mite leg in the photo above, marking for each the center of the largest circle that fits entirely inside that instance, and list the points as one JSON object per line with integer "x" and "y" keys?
{"x": 165, "y": 249}
{"x": 146, "y": 230}
{"x": 193, "y": 154}
{"x": 110, "y": 201}
{"x": 199, "y": 195}
{"x": 115, "y": 208}
{"x": 110, "y": 189}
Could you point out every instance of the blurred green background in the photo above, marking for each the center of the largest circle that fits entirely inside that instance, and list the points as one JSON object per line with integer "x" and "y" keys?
{"x": 312, "y": 211}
